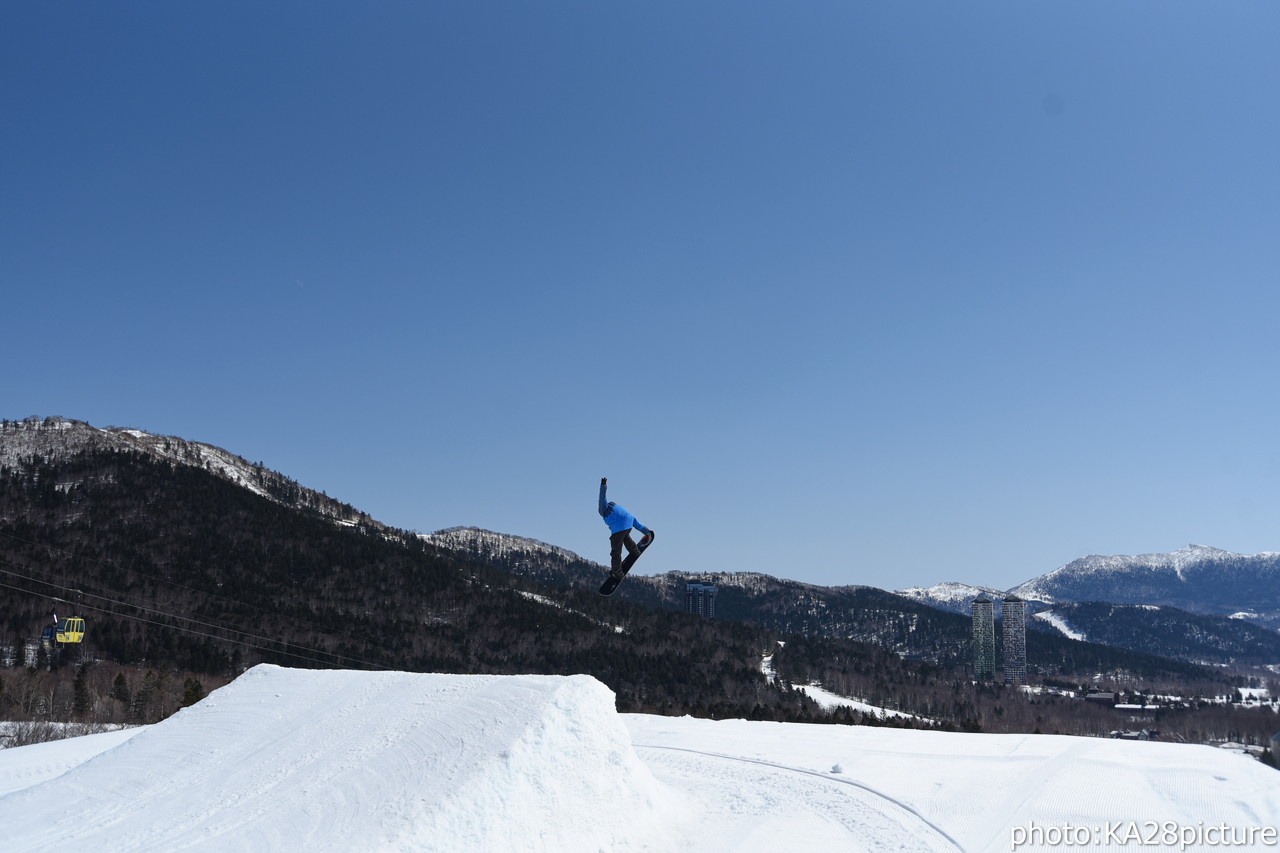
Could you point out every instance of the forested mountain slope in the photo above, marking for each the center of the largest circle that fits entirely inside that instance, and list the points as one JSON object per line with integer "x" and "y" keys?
{"x": 181, "y": 564}
{"x": 174, "y": 565}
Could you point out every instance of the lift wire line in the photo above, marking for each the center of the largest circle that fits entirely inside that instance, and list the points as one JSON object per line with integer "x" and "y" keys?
{"x": 331, "y": 656}
{"x": 297, "y": 620}
{"x": 80, "y": 594}
{"x": 212, "y": 636}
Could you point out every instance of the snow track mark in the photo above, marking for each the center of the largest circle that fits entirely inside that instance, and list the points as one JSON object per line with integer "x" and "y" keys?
{"x": 766, "y": 806}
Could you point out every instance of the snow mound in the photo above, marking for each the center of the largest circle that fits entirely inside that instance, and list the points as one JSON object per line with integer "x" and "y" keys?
{"x": 349, "y": 761}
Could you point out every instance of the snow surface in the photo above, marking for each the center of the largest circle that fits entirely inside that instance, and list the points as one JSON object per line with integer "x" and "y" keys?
{"x": 950, "y": 595}
{"x": 284, "y": 760}
{"x": 828, "y": 700}
{"x": 552, "y": 603}
{"x": 25, "y": 766}
{"x": 494, "y": 544}
{"x": 1056, "y": 620}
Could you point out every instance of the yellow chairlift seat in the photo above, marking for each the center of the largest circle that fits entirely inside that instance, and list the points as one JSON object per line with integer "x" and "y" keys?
{"x": 71, "y": 631}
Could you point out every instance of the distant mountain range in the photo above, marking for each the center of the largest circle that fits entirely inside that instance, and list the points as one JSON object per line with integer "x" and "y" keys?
{"x": 930, "y": 624}
{"x": 857, "y": 613}
{"x": 1195, "y": 579}
{"x": 911, "y": 626}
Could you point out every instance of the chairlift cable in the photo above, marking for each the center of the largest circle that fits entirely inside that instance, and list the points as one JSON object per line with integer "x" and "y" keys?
{"x": 332, "y": 657}
{"x": 296, "y": 620}
{"x": 248, "y": 642}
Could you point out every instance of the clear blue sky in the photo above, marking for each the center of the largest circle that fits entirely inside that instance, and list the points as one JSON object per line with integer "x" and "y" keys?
{"x": 882, "y": 293}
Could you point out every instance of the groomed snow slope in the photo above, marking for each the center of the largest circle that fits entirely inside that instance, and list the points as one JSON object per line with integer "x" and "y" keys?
{"x": 953, "y": 791}
{"x": 299, "y": 760}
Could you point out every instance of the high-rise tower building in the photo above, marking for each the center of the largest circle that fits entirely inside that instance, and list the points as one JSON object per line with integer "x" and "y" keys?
{"x": 701, "y": 599}
{"x": 1014, "y": 627}
{"x": 984, "y": 639}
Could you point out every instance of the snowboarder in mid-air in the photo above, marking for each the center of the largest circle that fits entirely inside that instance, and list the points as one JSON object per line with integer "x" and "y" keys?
{"x": 620, "y": 524}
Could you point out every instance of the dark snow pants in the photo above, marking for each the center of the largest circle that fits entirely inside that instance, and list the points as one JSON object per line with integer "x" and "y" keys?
{"x": 616, "y": 541}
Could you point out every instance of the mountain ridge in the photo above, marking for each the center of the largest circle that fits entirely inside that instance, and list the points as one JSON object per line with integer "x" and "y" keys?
{"x": 1198, "y": 579}
{"x": 898, "y": 622}
{"x": 1088, "y": 578}
{"x": 47, "y": 439}
{"x": 178, "y": 567}
{"x": 892, "y": 621}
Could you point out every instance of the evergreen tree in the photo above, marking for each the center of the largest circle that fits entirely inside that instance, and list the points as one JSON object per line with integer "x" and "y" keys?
{"x": 144, "y": 698}
{"x": 82, "y": 704}
{"x": 120, "y": 690}
{"x": 192, "y": 692}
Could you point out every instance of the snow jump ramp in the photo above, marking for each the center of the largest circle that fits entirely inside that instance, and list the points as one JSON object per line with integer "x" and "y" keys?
{"x": 284, "y": 759}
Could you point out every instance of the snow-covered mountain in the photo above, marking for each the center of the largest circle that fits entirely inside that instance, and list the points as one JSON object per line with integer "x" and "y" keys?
{"x": 478, "y": 542}
{"x": 44, "y": 440}
{"x": 950, "y": 595}
{"x": 1094, "y": 570}
{"x": 1197, "y": 578}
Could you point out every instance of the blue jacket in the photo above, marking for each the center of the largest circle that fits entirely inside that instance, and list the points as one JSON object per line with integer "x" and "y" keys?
{"x": 616, "y": 517}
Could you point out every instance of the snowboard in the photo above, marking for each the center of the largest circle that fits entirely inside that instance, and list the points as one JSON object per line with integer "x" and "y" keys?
{"x": 611, "y": 582}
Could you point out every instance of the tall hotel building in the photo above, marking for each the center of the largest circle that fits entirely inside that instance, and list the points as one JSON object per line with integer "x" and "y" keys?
{"x": 701, "y": 599}
{"x": 1014, "y": 627}
{"x": 984, "y": 639}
